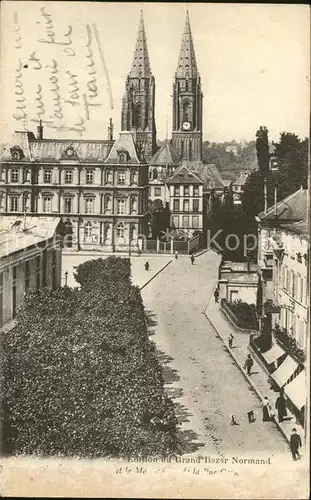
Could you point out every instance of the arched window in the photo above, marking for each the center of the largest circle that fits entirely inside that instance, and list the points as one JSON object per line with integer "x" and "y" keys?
{"x": 186, "y": 110}
{"x": 182, "y": 148}
{"x": 132, "y": 232}
{"x": 87, "y": 231}
{"x": 137, "y": 116}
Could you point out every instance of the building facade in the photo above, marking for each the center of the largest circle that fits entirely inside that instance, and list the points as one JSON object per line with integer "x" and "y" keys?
{"x": 99, "y": 188}
{"x": 186, "y": 200}
{"x": 30, "y": 256}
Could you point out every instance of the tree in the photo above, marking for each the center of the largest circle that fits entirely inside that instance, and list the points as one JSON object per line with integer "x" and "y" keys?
{"x": 292, "y": 156}
{"x": 262, "y": 148}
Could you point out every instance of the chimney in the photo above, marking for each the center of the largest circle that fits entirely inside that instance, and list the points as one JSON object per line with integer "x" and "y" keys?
{"x": 110, "y": 130}
{"x": 40, "y": 131}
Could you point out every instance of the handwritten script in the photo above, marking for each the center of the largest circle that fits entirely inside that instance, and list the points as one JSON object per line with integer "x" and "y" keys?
{"x": 58, "y": 79}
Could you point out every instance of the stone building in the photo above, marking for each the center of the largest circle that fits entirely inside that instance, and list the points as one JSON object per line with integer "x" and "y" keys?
{"x": 99, "y": 188}
{"x": 30, "y": 256}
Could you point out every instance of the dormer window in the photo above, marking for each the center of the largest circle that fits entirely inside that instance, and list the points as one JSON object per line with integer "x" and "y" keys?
{"x": 122, "y": 155}
{"x": 17, "y": 153}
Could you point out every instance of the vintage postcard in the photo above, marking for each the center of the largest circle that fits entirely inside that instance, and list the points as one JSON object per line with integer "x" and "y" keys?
{"x": 154, "y": 250}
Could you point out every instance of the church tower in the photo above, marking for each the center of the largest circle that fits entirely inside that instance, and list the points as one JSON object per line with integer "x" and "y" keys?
{"x": 138, "y": 104}
{"x": 187, "y": 102}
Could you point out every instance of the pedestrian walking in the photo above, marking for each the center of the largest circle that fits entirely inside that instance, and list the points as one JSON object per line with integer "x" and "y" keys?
{"x": 233, "y": 420}
{"x": 295, "y": 444}
{"x": 147, "y": 266}
{"x": 280, "y": 406}
{"x": 248, "y": 364}
{"x": 266, "y": 410}
{"x": 192, "y": 259}
{"x": 230, "y": 340}
{"x": 176, "y": 254}
{"x": 216, "y": 295}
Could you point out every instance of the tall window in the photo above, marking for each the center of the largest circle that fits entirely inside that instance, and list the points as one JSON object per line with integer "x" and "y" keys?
{"x": 186, "y": 191}
{"x": 14, "y": 203}
{"x": 195, "y": 221}
{"x": 195, "y": 205}
{"x": 182, "y": 148}
{"x": 68, "y": 176}
{"x": 89, "y": 176}
{"x": 121, "y": 206}
{"x": 47, "y": 203}
{"x": 186, "y": 111}
{"x": 176, "y": 206}
{"x": 27, "y": 274}
{"x": 14, "y": 175}
{"x": 47, "y": 176}
{"x": 1, "y": 299}
{"x": 176, "y": 191}
{"x": 292, "y": 289}
{"x": 68, "y": 205}
{"x": 121, "y": 177}
{"x": 120, "y": 230}
{"x": 186, "y": 205}
{"x": 89, "y": 205}
{"x": 185, "y": 221}
{"x": 87, "y": 231}
{"x": 196, "y": 191}
{"x": 14, "y": 304}
{"x": 137, "y": 116}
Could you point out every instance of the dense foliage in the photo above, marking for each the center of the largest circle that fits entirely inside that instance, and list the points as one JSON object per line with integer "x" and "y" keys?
{"x": 230, "y": 165}
{"x": 244, "y": 313}
{"x": 262, "y": 149}
{"x": 81, "y": 375}
{"x": 292, "y": 157}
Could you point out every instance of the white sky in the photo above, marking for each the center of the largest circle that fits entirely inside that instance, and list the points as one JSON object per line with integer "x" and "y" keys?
{"x": 253, "y": 60}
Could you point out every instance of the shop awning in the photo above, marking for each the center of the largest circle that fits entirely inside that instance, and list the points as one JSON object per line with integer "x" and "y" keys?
{"x": 296, "y": 390}
{"x": 284, "y": 371}
{"x": 273, "y": 354}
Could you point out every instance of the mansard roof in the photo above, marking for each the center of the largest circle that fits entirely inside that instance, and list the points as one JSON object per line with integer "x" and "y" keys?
{"x": 19, "y": 140}
{"x": 166, "y": 155}
{"x": 141, "y": 65}
{"x": 294, "y": 208}
{"x": 125, "y": 141}
{"x": 187, "y": 64}
{"x": 184, "y": 175}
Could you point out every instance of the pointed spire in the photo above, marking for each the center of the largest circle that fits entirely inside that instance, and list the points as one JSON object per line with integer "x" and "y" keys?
{"x": 141, "y": 64}
{"x": 186, "y": 62}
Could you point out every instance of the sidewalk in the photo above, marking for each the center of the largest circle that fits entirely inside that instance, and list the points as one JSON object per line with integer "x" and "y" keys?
{"x": 259, "y": 377}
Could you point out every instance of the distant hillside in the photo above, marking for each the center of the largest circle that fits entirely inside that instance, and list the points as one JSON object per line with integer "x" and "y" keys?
{"x": 228, "y": 163}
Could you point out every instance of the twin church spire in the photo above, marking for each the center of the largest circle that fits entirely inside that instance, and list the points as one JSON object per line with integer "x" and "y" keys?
{"x": 138, "y": 105}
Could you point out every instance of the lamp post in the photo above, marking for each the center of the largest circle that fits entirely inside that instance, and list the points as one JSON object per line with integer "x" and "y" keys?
{"x": 66, "y": 278}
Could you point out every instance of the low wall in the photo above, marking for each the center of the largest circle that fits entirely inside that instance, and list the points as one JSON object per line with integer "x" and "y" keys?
{"x": 231, "y": 316}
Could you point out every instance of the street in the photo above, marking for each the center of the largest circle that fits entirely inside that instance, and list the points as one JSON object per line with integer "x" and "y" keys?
{"x": 201, "y": 377}
{"x": 203, "y": 380}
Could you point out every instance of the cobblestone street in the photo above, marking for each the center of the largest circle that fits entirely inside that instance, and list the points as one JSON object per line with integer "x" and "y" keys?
{"x": 205, "y": 383}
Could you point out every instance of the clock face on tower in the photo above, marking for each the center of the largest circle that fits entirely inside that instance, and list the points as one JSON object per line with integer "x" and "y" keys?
{"x": 186, "y": 125}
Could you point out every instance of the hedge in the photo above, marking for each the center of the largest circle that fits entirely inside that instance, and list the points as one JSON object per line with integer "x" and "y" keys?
{"x": 244, "y": 313}
{"x": 81, "y": 376}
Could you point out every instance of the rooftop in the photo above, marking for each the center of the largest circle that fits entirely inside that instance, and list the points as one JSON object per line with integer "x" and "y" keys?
{"x": 294, "y": 208}
{"x": 18, "y": 233}
{"x": 166, "y": 155}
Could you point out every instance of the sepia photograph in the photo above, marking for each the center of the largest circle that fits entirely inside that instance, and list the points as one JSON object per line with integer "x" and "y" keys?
{"x": 154, "y": 250}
